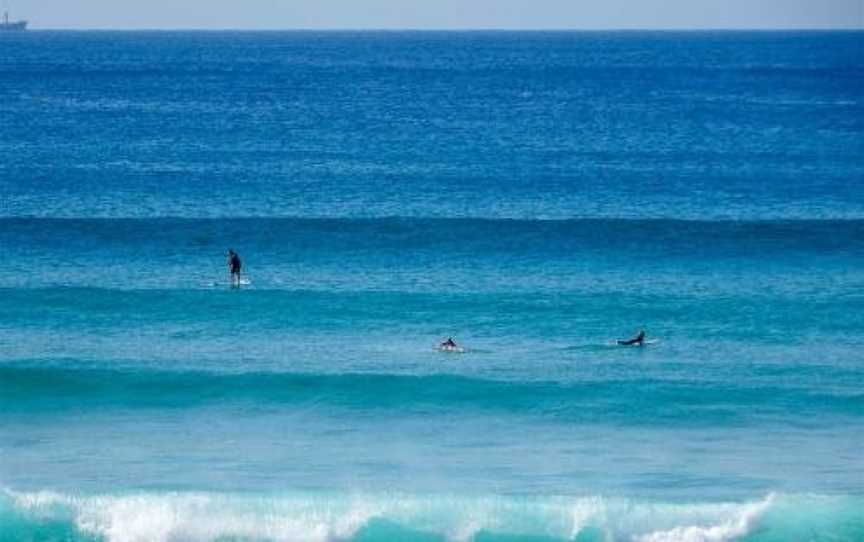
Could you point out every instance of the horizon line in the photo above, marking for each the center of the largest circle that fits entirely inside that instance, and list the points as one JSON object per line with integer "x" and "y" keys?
{"x": 456, "y": 29}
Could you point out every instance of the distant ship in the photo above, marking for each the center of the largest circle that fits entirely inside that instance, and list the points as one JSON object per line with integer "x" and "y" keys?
{"x": 12, "y": 26}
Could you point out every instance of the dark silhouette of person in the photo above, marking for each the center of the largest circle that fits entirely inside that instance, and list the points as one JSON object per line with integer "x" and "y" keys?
{"x": 638, "y": 340}
{"x": 449, "y": 344}
{"x": 234, "y": 265}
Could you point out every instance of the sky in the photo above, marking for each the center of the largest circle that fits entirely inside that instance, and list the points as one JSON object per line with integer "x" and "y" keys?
{"x": 438, "y": 14}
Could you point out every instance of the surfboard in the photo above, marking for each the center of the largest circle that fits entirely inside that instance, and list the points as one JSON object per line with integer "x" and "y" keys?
{"x": 646, "y": 342}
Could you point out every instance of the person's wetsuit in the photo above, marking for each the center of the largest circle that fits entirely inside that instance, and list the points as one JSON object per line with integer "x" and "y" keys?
{"x": 638, "y": 339}
{"x": 235, "y": 265}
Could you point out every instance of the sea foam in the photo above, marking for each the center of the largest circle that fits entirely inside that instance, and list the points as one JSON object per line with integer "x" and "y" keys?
{"x": 174, "y": 516}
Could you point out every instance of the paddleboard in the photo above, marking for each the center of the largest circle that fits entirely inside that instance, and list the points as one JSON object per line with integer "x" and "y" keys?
{"x": 231, "y": 284}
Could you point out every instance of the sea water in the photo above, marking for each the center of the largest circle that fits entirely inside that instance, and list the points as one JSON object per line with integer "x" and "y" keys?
{"x": 536, "y": 196}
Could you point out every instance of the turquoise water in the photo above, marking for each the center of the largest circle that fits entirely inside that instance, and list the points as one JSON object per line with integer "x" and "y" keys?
{"x": 536, "y": 196}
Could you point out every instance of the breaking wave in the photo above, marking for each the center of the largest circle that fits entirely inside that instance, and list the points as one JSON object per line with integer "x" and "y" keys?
{"x": 201, "y": 517}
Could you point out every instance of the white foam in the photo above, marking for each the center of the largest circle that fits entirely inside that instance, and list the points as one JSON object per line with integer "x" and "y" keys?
{"x": 731, "y": 529}
{"x": 204, "y": 517}
{"x": 176, "y": 517}
{"x": 587, "y": 511}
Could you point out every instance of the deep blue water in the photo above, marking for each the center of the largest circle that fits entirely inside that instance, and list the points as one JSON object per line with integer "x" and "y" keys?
{"x": 534, "y": 195}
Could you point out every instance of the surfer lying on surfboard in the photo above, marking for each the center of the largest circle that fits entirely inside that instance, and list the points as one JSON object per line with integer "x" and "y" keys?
{"x": 450, "y": 346}
{"x": 638, "y": 340}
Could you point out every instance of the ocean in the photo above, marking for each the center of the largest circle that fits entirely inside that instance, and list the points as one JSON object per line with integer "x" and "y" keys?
{"x": 536, "y": 196}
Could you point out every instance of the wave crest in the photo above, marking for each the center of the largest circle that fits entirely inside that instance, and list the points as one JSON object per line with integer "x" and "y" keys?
{"x": 204, "y": 517}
